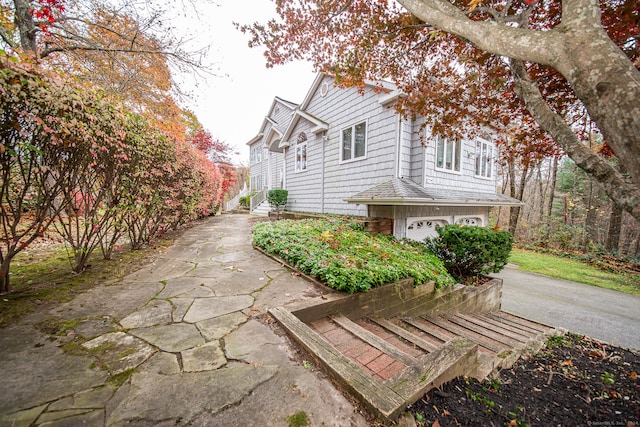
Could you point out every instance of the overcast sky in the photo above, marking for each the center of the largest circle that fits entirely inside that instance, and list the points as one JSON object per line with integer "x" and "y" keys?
{"x": 233, "y": 105}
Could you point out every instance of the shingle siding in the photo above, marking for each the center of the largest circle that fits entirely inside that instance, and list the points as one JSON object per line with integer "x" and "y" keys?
{"x": 395, "y": 149}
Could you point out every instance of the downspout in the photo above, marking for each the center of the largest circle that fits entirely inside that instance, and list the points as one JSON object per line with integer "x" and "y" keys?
{"x": 325, "y": 138}
{"x": 284, "y": 168}
{"x": 399, "y": 147}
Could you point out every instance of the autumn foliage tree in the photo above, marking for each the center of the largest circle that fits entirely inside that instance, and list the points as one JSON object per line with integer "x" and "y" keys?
{"x": 460, "y": 62}
{"x": 70, "y": 153}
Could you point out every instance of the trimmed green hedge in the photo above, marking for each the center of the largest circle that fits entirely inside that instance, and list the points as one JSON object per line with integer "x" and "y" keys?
{"x": 471, "y": 251}
{"x": 338, "y": 253}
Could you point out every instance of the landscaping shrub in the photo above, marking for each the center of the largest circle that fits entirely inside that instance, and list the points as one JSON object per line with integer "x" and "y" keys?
{"x": 278, "y": 200}
{"x": 471, "y": 251}
{"x": 338, "y": 253}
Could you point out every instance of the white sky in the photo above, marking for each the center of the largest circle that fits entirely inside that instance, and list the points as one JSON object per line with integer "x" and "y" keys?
{"x": 233, "y": 106}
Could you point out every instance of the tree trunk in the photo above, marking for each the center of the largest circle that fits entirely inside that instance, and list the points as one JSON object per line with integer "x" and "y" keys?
{"x": 5, "y": 285}
{"x": 552, "y": 188}
{"x": 26, "y": 27}
{"x": 514, "y": 211}
{"x": 615, "y": 226}
{"x": 617, "y": 188}
{"x": 590, "y": 220}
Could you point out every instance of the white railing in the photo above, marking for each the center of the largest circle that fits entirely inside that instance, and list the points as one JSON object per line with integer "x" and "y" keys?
{"x": 233, "y": 203}
{"x": 257, "y": 198}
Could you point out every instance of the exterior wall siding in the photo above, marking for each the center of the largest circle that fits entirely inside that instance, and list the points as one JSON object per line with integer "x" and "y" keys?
{"x": 464, "y": 180}
{"x": 305, "y": 187}
{"x": 346, "y": 107}
{"x": 401, "y": 213}
{"x": 393, "y": 148}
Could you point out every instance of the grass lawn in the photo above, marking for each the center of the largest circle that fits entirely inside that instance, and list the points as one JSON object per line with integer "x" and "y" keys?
{"x": 569, "y": 269}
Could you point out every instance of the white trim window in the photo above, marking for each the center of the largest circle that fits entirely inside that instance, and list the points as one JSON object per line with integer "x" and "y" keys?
{"x": 301, "y": 153}
{"x": 354, "y": 142}
{"x": 448, "y": 154}
{"x": 484, "y": 158}
{"x": 256, "y": 155}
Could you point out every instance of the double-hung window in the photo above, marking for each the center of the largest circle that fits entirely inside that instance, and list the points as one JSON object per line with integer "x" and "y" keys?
{"x": 354, "y": 142}
{"x": 448, "y": 154}
{"x": 484, "y": 158}
{"x": 301, "y": 153}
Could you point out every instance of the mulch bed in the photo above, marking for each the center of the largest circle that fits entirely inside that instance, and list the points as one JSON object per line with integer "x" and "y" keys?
{"x": 574, "y": 381}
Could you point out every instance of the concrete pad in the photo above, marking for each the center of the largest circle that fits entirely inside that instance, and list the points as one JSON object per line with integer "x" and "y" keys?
{"x": 156, "y": 312}
{"x": 291, "y": 390}
{"x": 116, "y": 301}
{"x": 206, "y": 357}
{"x": 119, "y": 352}
{"x": 86, "y": 399}
{"x": 218, "y": 327}
{"x": 172, "y": 338}
{"x": 254, "y": 342}
{"x": 188, "y": 287}
{"x": 208, "y": 308}
{"x": 24, "y": 418}
{"x": 42, "y": 374}
{"x": 161, "y": 363}
{"x": 152, "y": 398}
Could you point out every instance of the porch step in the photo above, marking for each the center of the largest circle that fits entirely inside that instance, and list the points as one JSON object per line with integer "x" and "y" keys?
{"x": 501, "y": 337}
{"x": 391, "y": 363}
{"x": 262, "y": 209}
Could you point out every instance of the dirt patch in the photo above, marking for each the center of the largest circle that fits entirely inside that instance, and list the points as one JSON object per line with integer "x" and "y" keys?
{"x": 575, "y": 381}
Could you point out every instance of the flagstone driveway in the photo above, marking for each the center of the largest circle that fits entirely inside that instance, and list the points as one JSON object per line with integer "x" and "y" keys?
{"x": 184, "y": 341}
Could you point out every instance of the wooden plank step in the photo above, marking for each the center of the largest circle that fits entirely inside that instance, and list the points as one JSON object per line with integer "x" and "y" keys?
{"x": 376, "y": 396}
{"x": 484, "y": 331}
{"x": 426, "y": 329}
{"x": 401, "y": 332}
{"x": 455, "y": 358}
{"x": 466, "y": 333}
{"x": 516, "y": 330}
{"x": 374, "y": 340}
{"x": 500, "y": 329}
{"x": 521, "y": 321}
{"x": 524, "y": 328}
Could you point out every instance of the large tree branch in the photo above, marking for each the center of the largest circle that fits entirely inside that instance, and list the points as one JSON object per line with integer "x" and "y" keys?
{"x": 518, "y": 43}
{"x": 624, "y": 194}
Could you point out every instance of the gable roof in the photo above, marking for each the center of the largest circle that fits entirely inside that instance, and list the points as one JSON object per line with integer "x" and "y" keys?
{"x": 392, "y": 90}
{"x": 278, "y": 127}
{"x": 401, "y": 191}
{"x": 318, "y": 126}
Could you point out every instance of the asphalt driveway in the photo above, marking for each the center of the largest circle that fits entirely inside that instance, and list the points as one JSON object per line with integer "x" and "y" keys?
{"x": 603, "y": 314}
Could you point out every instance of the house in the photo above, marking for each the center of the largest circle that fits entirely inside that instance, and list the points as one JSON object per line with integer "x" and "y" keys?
{"x": 346, "y": 151}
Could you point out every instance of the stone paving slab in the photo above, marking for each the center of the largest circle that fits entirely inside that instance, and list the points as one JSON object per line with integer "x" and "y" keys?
{"x": 219, "y": 327}
{"x": 42, "y": 374}
{"x": 156, "y": 312}
{"x": 209, "y": 308}
{"x": 155, "y": 398}
{"x": 188, "y": 337}
{"x": 255, "y": 343}
{"x": 172, "y": 338}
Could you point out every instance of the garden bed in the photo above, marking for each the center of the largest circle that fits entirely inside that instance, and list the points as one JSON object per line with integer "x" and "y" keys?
{"x": 575, "y": 381}
{"x": 341, "y": 254}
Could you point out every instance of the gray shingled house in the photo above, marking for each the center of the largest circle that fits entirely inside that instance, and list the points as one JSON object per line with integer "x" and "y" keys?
{"x": 345, "y": 151}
